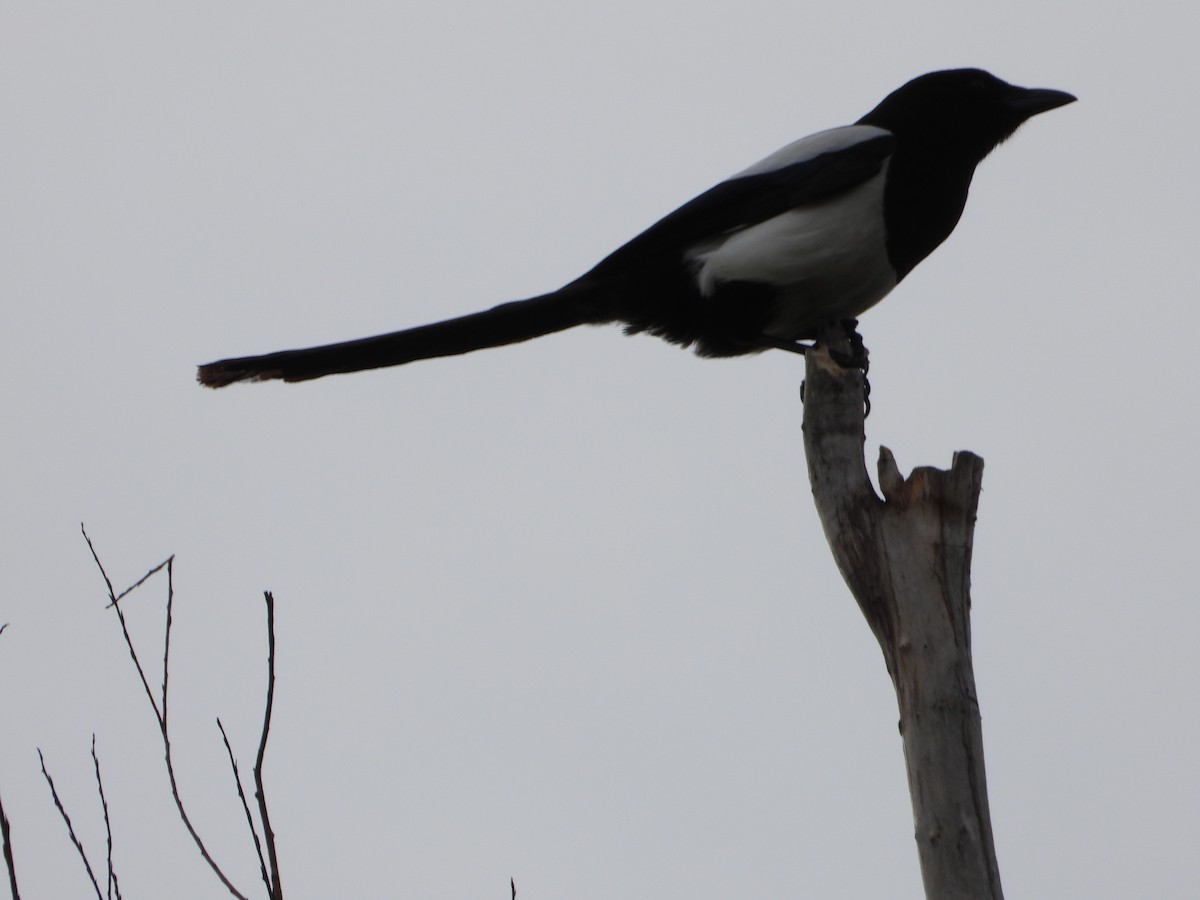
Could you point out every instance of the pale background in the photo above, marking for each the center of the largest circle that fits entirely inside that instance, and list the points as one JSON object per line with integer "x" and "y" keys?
{"x": 564, "y": 611}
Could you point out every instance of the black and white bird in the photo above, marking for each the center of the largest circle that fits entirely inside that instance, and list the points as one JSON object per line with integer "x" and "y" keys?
{"x": 820, "y": 230}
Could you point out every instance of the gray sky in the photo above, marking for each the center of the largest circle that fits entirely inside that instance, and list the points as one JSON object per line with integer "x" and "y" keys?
{"x": 563, "y": 611}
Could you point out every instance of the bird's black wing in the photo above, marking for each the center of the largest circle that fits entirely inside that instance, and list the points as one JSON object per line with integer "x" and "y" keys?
{"x": 746, "y": 200}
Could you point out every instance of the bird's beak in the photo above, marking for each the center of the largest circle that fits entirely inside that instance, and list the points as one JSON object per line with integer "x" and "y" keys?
{"x": 1031, "y": 101}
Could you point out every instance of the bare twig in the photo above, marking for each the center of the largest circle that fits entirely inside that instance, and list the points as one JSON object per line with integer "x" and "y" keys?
{"x": 10, "y": 864}
{"x": 112, "y": 596}
{"x": 260, "y": 794}
{"x": 160, "y": 713}
{"x": 167, "y": 638}
{"x": 237, "y": 779}
{"x": 6, "y": 838}
{"x": 113, "y": 884}
{"x": 70, "y": 828}
{"x": 137, "y": 584}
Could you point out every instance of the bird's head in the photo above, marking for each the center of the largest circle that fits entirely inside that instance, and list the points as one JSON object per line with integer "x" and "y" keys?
{"x": 960, "y": 111}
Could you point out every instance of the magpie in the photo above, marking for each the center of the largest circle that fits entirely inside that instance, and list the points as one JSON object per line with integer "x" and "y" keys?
{"x": 818, "y": 231}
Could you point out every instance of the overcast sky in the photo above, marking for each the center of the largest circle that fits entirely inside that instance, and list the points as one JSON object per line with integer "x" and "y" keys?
{"x": 563, "y": 611}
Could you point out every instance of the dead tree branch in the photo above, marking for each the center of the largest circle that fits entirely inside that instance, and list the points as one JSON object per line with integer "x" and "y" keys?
{"x": 6, "y": 839}
{"x": 906, "y": 558}
{"x": 160, "y": 705}
{"x": 62, "y": 812}
{"x": 9, "y": 862}
{"x": 274, "y": 887}
{"x": 237, "y": 780}
{"x": 114, "y": 886}
{"x": 270, "y": 876}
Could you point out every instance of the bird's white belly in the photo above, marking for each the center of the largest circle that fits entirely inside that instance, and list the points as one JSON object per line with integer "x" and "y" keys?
{"x": 826, "y": 261}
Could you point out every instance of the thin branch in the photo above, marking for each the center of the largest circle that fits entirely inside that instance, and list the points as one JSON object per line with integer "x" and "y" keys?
{"x": 9, "y": 863}
{"x": 112, "y": 596}
{"x": 137, "y": 584}
{"x": 70, "y": 828}
{"x": 6, "y": 839}
{"x": 237, "y": 779}
{"x": 113, "y": 885}
{"x": 160, "y": 714}
{"x": 187, "y": 822}
{"x": 259, "y": 793}
{"x": 167, "y": 636}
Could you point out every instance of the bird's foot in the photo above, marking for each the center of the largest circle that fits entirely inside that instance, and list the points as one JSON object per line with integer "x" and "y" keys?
{"x": 846, "y": 348}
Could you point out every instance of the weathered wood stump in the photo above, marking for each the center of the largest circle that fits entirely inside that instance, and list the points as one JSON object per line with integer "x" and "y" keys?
{"x": 906, "y": 559}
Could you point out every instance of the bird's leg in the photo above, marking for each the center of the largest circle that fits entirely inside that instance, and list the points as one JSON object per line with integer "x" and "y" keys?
{"x": 853, "y": 358}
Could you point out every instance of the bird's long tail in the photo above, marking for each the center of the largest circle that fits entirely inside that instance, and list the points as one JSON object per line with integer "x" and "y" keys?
{"x": 508, "y": 323}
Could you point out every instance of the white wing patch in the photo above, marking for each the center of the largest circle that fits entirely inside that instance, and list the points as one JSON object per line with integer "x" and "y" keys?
{"x": 826, "y": 260}
{"x": 813, "y": 146}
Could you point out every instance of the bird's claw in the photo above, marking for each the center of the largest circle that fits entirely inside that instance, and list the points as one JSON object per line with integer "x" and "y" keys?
{"x": 855, "y": 356}
{"x": 846, "y": 348}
